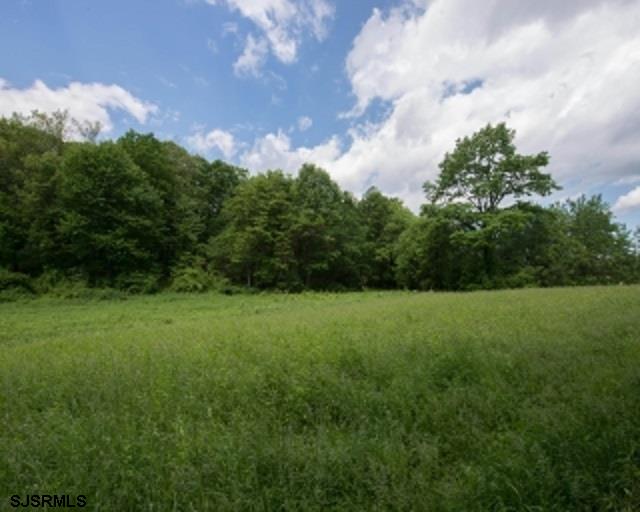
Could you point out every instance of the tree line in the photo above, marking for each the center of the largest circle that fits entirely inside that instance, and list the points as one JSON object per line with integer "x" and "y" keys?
{"x": 141, "y": 215}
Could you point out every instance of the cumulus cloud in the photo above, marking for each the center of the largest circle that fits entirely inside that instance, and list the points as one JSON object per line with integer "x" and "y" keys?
{"x": 90, "y": 102}
{"x": 563, "y": 74}
{"x": 304, "y": 123}
{"x": 283, "y": 23}
{"x": 217, "y": 139}
{"x": 629, "y": 201}
{"x": 252, "y": 58}
{"x": 274, "y": 151}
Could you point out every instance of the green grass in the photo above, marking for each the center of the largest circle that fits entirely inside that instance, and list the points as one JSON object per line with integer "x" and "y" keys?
{"x": 514, "y": 400}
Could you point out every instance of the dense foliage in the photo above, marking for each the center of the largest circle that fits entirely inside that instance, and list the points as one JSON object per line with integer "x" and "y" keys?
{"x": 139, "y": 214}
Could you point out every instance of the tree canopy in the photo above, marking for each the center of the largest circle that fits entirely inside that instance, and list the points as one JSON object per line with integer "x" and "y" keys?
{"x": 484, "y": 169}
{"x": 140, "y": 214}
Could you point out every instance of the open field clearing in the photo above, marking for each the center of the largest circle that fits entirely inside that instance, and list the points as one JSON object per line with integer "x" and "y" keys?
{"x": 511, "y": 400}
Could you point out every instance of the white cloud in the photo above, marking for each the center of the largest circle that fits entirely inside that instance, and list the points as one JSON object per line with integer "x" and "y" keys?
{"x": 563, "y": 74}
{"x": 628, "y": 180}
{"x": 304, "y": 123}
{"x": 629, "y": 201}
{"x": 229, "y": 28}
{"x": 274, "y": 151}
{"x": 283, "y": 23}
{"x": 84, "y": 101}
{"x": 252, "y": 58}
{"x": 216, "y": 139}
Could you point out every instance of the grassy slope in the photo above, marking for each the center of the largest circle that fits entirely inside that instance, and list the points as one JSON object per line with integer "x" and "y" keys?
{"x": 522, "y": 400}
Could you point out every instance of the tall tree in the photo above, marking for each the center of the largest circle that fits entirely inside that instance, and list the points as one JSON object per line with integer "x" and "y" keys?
{"x": 108, "y": 213}
{"x": 485, "y": 168}
{"x": 601, "y": 249}
{"x": 384, "y": 220}
{"x": 441, "y": 251}
{"x": 26, "y": 152}
{"x": 217, "y": 183}
{"x": 151, "y": 156}
{"x": 482, "y": 171}
{"x": 315, "y": 228}
{"x": 254, "y": 247}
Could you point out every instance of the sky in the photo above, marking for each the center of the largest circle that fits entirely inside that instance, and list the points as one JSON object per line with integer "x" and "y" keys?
{"x": 375, "y": 92}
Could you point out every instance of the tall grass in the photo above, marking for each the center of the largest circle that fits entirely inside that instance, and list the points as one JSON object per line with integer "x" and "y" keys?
{"x": 514, "y": 400}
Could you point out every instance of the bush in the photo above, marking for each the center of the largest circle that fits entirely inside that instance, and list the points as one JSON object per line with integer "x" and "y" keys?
{"x": 14, "y": 281}
{"x": 49, "y": 280}
{"x": 56, "y": 283}
{"x": 14, "y": 294}
{"x": 526, "y": 277}
{"x": 194, "y": 279}
{"x": 138, "y": 283}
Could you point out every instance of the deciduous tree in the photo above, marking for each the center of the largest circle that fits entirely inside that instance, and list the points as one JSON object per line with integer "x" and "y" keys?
{"x": 484, "y": 169}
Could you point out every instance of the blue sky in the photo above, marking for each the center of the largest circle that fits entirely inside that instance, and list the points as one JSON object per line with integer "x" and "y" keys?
{"x": 374, "y": 91}
{"x": 180, "y": 55}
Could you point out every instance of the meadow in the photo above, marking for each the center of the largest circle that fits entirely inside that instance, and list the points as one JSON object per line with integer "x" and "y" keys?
{"x": 509, "y": 400}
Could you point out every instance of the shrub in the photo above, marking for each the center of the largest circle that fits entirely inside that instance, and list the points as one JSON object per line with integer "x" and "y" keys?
{"x": 56, "y": 283}
{"x": 137, "y": 283}
{"x": 195, "y": 279}
{"x": 14, "y": 280}
{"x": 524, "y": 278}
{"x": 48, "y": 281}
{"x": 14, "y": 294}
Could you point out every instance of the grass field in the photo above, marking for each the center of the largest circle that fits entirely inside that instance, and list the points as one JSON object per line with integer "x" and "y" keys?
{"x": 515, "y": 400}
